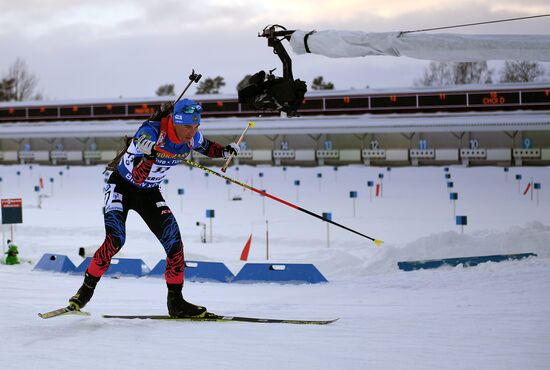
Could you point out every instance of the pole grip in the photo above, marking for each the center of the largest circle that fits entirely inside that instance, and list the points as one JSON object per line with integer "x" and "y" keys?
{"x": 193, "y": 77}
{"x": 224, "y": 168}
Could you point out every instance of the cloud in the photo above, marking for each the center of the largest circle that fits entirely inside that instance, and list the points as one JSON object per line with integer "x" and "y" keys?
{"x": 130, "y": 47}
{"x": 36, "y": 18}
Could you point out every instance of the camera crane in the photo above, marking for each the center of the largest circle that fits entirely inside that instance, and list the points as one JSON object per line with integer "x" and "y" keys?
{"x": 265, "y": 91}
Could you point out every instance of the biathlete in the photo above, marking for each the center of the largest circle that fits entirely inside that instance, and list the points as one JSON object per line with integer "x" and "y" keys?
{"x": 161, "y": 143}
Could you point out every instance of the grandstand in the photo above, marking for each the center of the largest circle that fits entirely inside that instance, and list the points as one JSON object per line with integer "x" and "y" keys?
{"x": 469, "y": 124}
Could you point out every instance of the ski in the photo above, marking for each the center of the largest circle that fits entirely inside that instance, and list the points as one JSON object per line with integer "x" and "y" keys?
{"x": 211, "y": 317}
{"x": 62, "y": 311}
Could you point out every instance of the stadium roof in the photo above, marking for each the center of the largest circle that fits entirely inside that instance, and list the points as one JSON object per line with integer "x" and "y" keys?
{"x": 345, "y": 124}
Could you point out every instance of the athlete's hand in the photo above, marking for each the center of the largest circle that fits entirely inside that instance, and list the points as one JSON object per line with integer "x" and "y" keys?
{"x": 230, "y": 150}
{"x": 164, "y": 111}
{"x": 145, "y": 146}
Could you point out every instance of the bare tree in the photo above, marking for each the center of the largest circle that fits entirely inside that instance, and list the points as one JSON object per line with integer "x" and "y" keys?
{"x": 319, "y": 84}
{"x": 472, "y": 73}
{"x": 436, "y": 74}
{"x": 24, "y": 81}
{"x": 165, "y": 90}
{"x": 521, "y": 71}
{"x": 210, "y": 85}
{"x": 455, "y": 73}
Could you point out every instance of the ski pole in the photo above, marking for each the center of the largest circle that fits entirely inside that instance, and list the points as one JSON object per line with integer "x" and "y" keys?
{"x": 376, "y": 241}
{"x": 193, "y": 77}
{"x": 224, "y": 168}
{"x": 251, "y": 188}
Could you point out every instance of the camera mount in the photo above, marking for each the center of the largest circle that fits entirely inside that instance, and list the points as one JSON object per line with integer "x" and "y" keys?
{"x": 263, "y": 91}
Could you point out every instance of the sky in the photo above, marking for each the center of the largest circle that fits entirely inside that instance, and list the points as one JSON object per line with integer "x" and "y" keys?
{"x": 128, "y": 48}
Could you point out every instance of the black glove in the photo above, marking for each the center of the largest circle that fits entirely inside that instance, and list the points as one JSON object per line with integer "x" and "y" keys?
{"x": 164, "y": 111}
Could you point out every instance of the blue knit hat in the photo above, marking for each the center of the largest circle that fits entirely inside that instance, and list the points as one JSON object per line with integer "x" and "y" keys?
{"x": 187, "y": 112}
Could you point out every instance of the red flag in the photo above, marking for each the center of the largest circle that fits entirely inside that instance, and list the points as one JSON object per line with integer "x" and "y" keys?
{"x": 41, "y": 183}
{"x": 527, "y": 188}
{"x": 246, "y": 249}
{"x": 377, "y": 190}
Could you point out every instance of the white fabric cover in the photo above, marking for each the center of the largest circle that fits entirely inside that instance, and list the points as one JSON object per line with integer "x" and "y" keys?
{"x": 439, "y": 47}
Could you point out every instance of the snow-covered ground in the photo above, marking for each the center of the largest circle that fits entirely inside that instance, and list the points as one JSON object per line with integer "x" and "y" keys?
{"x": 493, "y": 316}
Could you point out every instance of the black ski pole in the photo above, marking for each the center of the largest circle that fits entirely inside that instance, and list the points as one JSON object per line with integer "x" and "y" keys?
{"x": 166, "y": 108}
{"x": 193, "y": 77}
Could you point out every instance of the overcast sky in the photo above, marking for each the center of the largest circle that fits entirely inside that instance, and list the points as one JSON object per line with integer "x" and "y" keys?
{"x": 105, "y": 48}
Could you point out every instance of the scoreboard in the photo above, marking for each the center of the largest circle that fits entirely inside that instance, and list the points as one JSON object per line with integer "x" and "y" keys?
{"x": 495, "y": 98}
{"x": 532, "y": 99}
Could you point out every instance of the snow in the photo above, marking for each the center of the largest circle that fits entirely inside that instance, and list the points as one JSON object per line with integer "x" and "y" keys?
{"x": 495, "y": 315}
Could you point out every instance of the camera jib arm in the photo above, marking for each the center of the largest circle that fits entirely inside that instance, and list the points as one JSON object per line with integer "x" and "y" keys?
{"x": 274, "y": 42}
{"x": 263, "y": 91}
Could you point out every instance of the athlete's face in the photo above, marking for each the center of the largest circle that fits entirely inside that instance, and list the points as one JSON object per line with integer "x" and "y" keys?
{"x": 186, "y": 132}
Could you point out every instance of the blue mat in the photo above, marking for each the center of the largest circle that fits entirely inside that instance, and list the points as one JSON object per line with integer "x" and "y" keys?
{"x": 199, "y": 271}
{"x": 290, "y": 273}
{"x": 55, "y": 263}
{"x": 465, "y": 261}
{"x": 119, "y": 267}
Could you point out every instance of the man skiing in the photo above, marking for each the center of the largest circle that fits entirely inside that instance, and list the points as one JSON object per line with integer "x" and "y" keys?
{"x": 161, "y": 143}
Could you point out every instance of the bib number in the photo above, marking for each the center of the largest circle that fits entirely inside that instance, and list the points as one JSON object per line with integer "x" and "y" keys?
{"x": 112, "y": 200}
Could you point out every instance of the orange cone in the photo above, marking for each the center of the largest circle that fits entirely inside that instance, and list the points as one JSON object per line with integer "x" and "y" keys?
{"x": 246, "y": 249}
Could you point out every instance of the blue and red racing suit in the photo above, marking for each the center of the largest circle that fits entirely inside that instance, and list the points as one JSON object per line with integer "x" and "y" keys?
{"x": 135, "y": 185}
{"x": 149, "y": 173}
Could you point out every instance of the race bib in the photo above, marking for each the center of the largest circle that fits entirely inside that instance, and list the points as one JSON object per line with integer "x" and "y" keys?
{"x": 112, "y": 200}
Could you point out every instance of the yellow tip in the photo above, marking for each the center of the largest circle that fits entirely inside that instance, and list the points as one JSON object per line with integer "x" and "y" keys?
{"x": 378, "y": 242}
{"x": 250, "y": 124}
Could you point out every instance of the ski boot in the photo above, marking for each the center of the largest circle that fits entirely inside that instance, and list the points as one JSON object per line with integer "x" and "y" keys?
{"x": 84, "y": 294}
{"x": 179, "y": 307}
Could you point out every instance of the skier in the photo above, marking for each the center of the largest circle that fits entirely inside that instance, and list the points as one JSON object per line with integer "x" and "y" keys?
{"x": 12, "y": 254}
{"x": 162, "y": 142}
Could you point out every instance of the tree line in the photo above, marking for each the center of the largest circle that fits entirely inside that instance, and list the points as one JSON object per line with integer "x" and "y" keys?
{"x": 213, "y": 85}
{"x": 19, "y": 83}
{"x": 460, "y": 73}
{"x": 436, "y": 74}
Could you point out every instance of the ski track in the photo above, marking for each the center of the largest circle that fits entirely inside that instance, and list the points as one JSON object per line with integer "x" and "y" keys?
{"x": 492, "y": 316}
